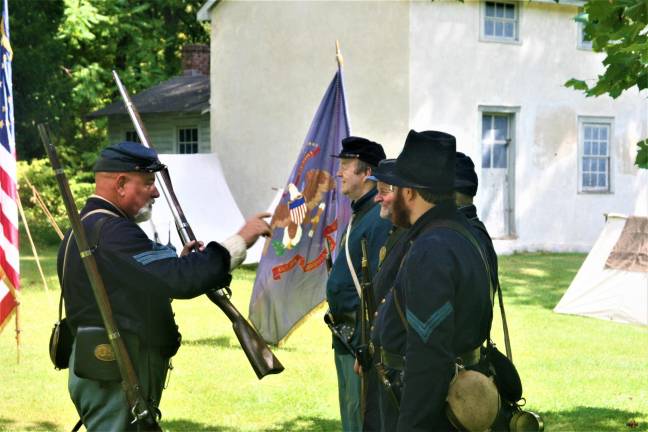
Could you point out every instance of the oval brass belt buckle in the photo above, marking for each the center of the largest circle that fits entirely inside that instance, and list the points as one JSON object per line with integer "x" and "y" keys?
{"x": 104, "y": 352}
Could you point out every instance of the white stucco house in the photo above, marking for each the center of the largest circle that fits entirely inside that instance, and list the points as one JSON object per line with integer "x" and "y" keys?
{"x": 550, "y": 161}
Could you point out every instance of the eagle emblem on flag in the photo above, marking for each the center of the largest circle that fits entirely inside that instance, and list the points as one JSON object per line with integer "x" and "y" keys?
{"x": 296, "y": 204}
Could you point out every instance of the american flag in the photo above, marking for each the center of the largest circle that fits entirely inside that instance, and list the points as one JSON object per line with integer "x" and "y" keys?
{"x": 297, "y": 209}
{"x": 9, "y": 274}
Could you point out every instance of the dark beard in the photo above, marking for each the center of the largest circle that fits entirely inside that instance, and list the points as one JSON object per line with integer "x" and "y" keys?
{"x": 400, "y": 213}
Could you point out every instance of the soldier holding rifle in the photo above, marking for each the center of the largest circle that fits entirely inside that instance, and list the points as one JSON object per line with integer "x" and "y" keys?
{"x": 359, "y": 157}
{"x": 141, "y": 277}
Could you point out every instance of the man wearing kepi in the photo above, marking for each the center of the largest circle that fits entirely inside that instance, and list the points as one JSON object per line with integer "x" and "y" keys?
{"x": 389, "y": 379}
{"x": 465, "y": 188}
{"x": 439, "y": 312}
{"x": 359, "y": 156}
{"x": 140, "y": 278}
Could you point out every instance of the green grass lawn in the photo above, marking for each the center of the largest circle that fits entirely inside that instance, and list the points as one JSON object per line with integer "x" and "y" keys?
{"x": 579, "y": 373}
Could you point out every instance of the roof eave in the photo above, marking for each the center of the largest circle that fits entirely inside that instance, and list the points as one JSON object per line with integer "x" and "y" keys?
{"x": 203, "y": 12}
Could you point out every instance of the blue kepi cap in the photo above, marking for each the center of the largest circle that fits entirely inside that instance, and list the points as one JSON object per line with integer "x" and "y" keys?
{"x": 128, "y": 156}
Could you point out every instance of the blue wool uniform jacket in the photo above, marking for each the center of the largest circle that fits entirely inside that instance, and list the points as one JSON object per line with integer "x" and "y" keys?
{"x": 341, "y": 293}
{"x": 441, "y": 286}
{"x": 485, "y": 241}
{"x": 446, "y": 302}
{"x": 140, "y": 276}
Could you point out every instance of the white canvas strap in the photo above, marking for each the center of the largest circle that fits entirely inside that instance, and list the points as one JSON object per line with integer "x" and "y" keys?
{"x": 354, "y": 276}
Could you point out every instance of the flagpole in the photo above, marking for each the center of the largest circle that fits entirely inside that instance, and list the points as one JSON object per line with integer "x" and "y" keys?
{"x": 338, "y": 54}
{"x": 14, "y": 293}
{"x": 39, "y": 200}
{"x": 18, "y": 330}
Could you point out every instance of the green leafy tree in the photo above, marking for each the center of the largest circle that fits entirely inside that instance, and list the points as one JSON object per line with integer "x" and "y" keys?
{"x": 618, "y": 28}
{"x": 64, "y": 52}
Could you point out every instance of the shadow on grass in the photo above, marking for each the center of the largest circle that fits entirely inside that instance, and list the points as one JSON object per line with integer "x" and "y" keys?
{"x": 6, "y": 424}
{"x": 593, "y": 419}
{"x": 301, "y": 423}
{"x": 220, "y": 341}
{"x": 227, "y": 342}
{"x": 190, "y": 425}
{"x": 304, "y": 423}
{"x": 537, "y": 279}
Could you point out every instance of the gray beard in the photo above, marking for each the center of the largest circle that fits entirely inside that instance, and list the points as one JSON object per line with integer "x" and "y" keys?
{"x": 144, "y": 214}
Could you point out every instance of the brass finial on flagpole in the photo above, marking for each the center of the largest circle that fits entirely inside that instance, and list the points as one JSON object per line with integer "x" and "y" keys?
{"x": 338, "y": 54}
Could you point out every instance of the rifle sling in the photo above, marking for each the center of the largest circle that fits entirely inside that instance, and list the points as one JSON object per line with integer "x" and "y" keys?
{"x": 94, "y": 240}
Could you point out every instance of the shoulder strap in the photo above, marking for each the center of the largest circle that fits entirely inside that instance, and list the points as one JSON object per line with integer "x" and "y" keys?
{"x": 507, "y": 340}
{"x": 468, "y": 235}
{"x": 94, "y": 240}
{"x": 395, "y": 294}
{"x": 354, "y": 275}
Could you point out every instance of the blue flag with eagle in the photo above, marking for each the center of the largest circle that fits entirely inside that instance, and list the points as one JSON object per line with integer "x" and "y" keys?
{"x": 292, "y": 273}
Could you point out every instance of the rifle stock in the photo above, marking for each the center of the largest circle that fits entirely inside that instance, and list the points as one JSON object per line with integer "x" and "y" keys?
{"x": 140, "y": 409}
{"x": 262, "y": 360}
{"x": 256, "y": 350}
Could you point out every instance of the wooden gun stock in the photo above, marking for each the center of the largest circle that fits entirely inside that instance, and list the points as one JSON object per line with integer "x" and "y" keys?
{"x": 256, "y": 350}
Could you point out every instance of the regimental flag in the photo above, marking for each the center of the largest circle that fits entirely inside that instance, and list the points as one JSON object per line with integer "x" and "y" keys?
{"x": 291, "y": 277}
{"x": 9, "y": 275}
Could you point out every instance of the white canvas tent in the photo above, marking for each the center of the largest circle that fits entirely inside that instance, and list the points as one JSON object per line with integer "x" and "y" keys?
{"x": 206, "y": 199}
{"x": 608, "y": 293}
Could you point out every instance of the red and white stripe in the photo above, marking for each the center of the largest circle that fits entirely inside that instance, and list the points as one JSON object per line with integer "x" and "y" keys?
{"x": 9, "y": 260}
{"x": 297, "y": 214}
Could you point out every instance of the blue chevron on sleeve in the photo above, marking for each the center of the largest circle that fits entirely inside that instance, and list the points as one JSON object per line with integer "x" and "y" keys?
{"x": 146, "y": 258}
{"x": 425, "y": 329}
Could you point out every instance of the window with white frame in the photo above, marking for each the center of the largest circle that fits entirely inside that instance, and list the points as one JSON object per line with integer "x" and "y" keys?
{"x": 187, "y": 140}
{"x": 500, "y": 21}
{"x": 132, "y": 136}
{"x": 583, "y": 41}
{"x": 595, "y": 156}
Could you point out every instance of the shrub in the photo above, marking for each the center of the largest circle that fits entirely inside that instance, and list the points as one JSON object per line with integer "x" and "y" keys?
{"x": 41, "y": 175}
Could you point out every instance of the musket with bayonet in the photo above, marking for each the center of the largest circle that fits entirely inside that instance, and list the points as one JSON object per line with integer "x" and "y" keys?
{"x": 263, "y": 361}
{"x": 367, "y": 308}
{"x": 143, "y": 414}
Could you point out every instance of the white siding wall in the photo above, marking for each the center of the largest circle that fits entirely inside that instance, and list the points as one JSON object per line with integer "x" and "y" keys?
{"x": 421, "y": 65}
{"x": 163, "y": 130}
{"x": 270, "y": 65}
{"x": 453, "y": 73}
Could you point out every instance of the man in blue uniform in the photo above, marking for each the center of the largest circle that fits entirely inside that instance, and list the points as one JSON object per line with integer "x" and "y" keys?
{"x": 439, "y": 309}
{"x": 465, "y": 188}
{"x": 141, "y": 277}
{"x": 359, "y": 156}
{"x": 389, "y": 379}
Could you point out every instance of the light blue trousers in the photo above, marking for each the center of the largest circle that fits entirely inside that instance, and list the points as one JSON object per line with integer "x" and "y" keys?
{"x": 102, "y": 405}
{"x": 349, "y": 391}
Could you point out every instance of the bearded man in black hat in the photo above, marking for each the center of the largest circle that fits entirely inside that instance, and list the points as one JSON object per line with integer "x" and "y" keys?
{"x": 358, "y": 158}
{"x": 140, "y": 276}
{"x": 439, "y": 310}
